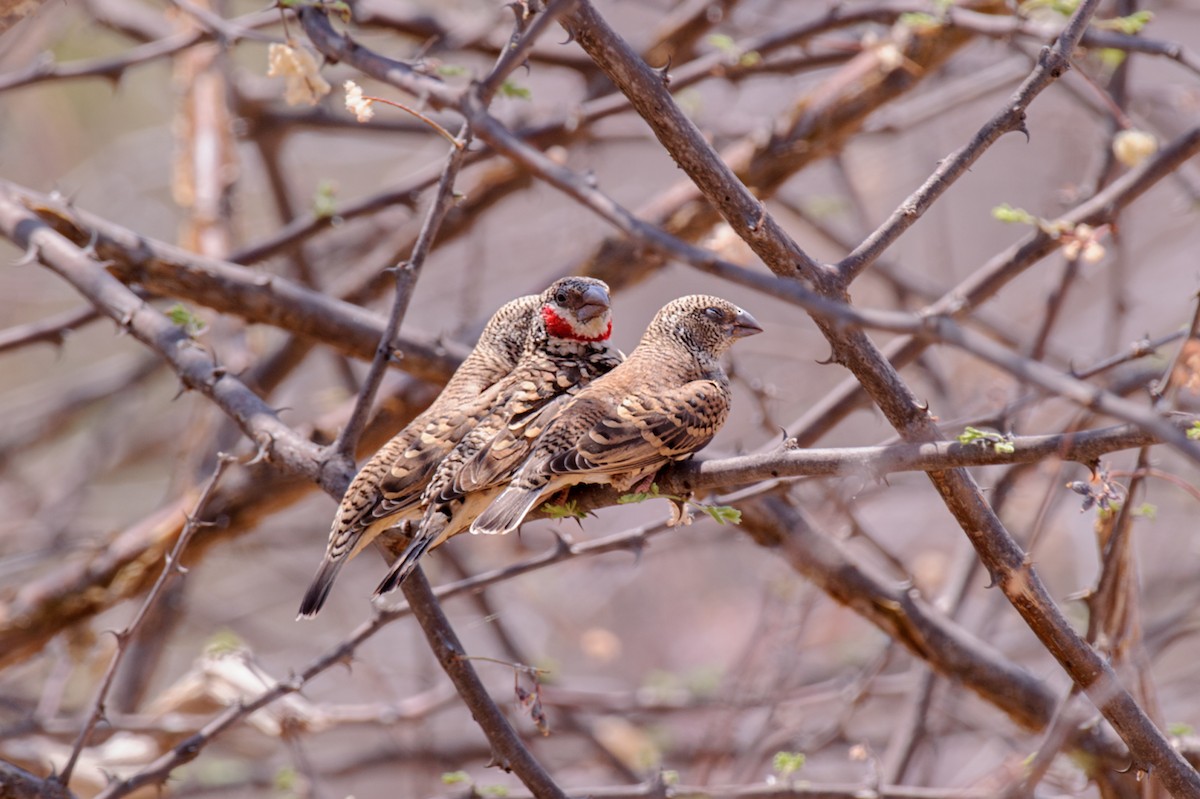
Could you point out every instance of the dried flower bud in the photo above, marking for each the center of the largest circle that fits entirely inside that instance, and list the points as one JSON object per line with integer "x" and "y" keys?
{"x": 356, "y": 103}
{"x": 1132, "y": 147}
{"x": 297, "y": 66}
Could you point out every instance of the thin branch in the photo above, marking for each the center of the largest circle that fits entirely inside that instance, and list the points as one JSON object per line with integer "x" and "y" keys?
{"x": 429, "y": 121}
{"x": 1052, "y": 64}
{"x": 997, "y": 273}
{"x": 53, "y": 330}
{"x": 876, "y": 463}
{"x": 111, "y": 67}
{"x": 508, "y": 751}
{"x": 520, "y": 44}
{"x": 406, "y": 280}
{"x": 16, "y": 782}
{"x": 171, "y": 568}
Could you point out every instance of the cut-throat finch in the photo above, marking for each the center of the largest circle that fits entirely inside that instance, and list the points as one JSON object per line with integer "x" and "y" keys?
{"x": 663, "y": 403}
{"x": 567, "y": 348}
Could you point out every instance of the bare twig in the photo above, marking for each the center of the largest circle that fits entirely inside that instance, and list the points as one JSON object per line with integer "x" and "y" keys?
{"x": 171, "y": 568}
{"x": 1054, "y": 61}
{"x": 17, "y": 783}
{"x": 508, "y": 751}
{"x": 52, "y": 330}
{"x": 228, "y": 287}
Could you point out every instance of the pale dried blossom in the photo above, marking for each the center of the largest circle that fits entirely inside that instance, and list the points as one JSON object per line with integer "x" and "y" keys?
{"x": 297, "y": 66}
{"x": 1084, "y": 243}
{"x": 1132, "y": 147}
{"x": 357, "y": 104}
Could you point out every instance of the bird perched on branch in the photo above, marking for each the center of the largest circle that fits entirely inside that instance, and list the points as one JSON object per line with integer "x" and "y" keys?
{"x": 567, "y": 348}
{"x": 387, "y": 490}
{"x": 665, "y": 402}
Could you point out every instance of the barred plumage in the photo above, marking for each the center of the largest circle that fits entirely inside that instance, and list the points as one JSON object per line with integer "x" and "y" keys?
{"x": 567, "y": 348}
{"x": 665, "y": 402}
{"x": 387, "y": 490}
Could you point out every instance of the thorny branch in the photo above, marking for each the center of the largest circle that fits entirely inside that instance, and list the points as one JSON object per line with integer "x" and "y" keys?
{"x": 171, "y": 568}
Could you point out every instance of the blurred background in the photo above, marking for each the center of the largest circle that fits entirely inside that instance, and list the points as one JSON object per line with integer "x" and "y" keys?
{"x": 701, "y": 654}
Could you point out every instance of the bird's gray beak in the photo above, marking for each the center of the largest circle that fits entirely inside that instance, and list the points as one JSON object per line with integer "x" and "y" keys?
{"x": 745, "y": 325}
{"x": 593, "y": 303}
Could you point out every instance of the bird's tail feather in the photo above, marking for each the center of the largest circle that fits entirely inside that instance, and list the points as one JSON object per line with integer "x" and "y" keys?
{"x": 431, "y": 527}
{"x": 506, "y": 512}
{"x": 318, "y": 589}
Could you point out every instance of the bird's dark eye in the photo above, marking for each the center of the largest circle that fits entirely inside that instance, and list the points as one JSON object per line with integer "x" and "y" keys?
{"x": 560, "y": 296}
{"x": 714, "y": 313}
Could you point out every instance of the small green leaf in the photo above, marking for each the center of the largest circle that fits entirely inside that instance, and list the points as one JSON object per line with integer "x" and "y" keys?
{"x": 1194, "y": 431}
{"x": 451, "y": 70}
{"x": 788, "y": 763}
{"x": 750, "y": 59}
{"x": 999, "y": 442}
{"x": 567, "y": 510}
{"x": 723, "y": 514}
{"x": 1147, "y": 510}
{"x": 1063, "y": 7}
{"x": 919, "y": 21}
{"x": 498, "y": 791}
{"x": 669, "y": 777}
{"x": 642, "y": 496}
{"x": 1111, "y": 58}
{"x": 1129, "y": 25}
{"x": 182, "y": 316}
{"x": 455, "y": 777}
{"x": 1006, "y": 213}
{"x": 325, "y": 200}
{"x": 722, "y": 42}
{"x": 510, "y": 89}
{"x": 1179, "y": 729}
{"x": 339, "y": 7}
{"x": 285, "y": 779}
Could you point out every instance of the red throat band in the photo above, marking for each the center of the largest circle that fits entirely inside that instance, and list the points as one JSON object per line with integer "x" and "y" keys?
{"x": 560, "y": 328}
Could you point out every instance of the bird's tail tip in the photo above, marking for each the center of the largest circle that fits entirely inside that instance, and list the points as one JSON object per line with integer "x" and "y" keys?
{"x": 506, "y": 512}
{"x": 318, "y": 590}
{"x": 404, "y": 566}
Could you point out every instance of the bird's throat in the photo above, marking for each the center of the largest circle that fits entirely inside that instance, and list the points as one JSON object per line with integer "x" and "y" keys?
{"x": 557, "y": 327}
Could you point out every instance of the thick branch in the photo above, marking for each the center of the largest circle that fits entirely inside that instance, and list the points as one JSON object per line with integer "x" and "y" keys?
{"x": 253, "y": 295}
{"x": 196, "y": 367}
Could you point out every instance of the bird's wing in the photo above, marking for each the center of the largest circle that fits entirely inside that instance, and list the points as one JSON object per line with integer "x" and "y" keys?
{"x": 402, "y": 485}
{"x": 647, "y": 430}
{"x": 503, "y": 454}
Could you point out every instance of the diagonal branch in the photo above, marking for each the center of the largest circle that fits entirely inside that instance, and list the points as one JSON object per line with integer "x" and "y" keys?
{"x": 170, "y": 568}
{"x": 197, "y": 369}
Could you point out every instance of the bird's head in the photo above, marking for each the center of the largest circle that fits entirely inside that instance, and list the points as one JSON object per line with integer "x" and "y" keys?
{"x": 703, "y": 323}
{"x": 577, "y": 309}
